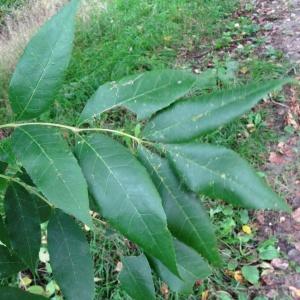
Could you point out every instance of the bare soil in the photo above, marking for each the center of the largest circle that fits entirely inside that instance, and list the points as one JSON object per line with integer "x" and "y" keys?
{"x": 282, "y": 280}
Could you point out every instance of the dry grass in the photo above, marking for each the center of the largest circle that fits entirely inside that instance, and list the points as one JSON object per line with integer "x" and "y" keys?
{"x": 24, "y": 22}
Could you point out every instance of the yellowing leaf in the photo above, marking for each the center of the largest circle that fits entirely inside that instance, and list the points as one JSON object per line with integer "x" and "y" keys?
{"x": 238, "y": 276}
{"x": 25, "y": 281}
{"x": 244, "y": 70}
{"x": 36, "y": 289}
{"x": 247, "y": 229}
{"x": 295, "y": 292}
{"x": 167, "y": 38}
{"x": 205, "y": 295}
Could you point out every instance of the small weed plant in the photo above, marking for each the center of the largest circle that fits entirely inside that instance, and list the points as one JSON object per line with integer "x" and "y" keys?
{"x": 57, "y": 175}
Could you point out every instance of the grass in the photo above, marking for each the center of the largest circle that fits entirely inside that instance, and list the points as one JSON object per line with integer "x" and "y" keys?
{"x": 132, "y": 36}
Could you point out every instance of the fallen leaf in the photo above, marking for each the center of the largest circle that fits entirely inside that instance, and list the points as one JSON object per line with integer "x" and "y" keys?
{"x": 164, "y": 289}
{"x": 276, "y": 158}
{"x": 205, "y": 295}
{"x": 25, "y": 281}
{"x": 247, "y": 229}
{"x": 297, "y": 246}
{"x": 244, "y": 70}
{"x": 295, "y": 292}
{"x": 119, "y": 267}
{"x": 238, "y": 276}
{"x": 279, "y": 263}
{"x": 296, "y": 215}
{"x": 167, "y": 38}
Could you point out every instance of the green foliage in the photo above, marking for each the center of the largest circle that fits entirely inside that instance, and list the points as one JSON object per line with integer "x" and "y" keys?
{"x": 10, "y": 264}
{"x": 144, "y": 94}
{"x": 53, "y": 160}
{"x": 251, "y": 274}
{"x": 188, "y": 119}
{"x": 17, "y": 294}
{"x": 136, "y": 278}
{"x": 148, "y": 192}
{"x": 42, "y": 65}
{"x": 115, "y": 179}
{"x": 23, "y": 224}
{"x": 191, "y": 267}
{"x": 70, "y": 258}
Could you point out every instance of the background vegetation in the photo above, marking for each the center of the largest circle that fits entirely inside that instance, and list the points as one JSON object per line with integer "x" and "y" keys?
{"x": 128, "y": 36}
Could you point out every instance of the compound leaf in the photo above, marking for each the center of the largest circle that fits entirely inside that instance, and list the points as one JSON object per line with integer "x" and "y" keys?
{"x": 126, "y": 195}
{"x": 70, "y": 258}
{"x": 40, "y": 70}
{"x": 23, "y": 224}
{"x": 9, "y": 263}
{"x": 145, "y": 93}
{"x": 221, "y": 173}
{"x": 12, "y": 293}
{"x": 52, "y": 167}
{"x": 188, "y": 119}
{"x": 136, "y": 278}
{"x": 187, "y": 218}
{"x": 191, "y": 267}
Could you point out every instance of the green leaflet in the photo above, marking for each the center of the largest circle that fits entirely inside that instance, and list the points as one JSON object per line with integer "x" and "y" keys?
{"x": 136, "y": 278}
{"x": 10, "y": 293}
{"x": 40, "y": 70}
{"x": 44, "y": 208}
{"x": 47, "y": 159}
{"x": 9, "y": 263}
{"x": 188, "y": 119}
{"x": 3, "y": 233}
{"x": 3, "y": 182}
{"x": 70, "y": 258}
{"x": 126, "y": 196}
{"x": 191, "y": 267}
{"x": 187, "y": 218}
{"x": 145, "y": 93}
{"x": 23, "y": 224}
{"x": 6, "y": 152}
{"x": 221, "y": 173}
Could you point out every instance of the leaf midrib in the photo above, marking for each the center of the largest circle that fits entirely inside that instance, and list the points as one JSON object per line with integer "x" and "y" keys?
{"x": 52, "y": 163}
{"x": 122, "y": 187}
{"x": 229, "y": 178}
{"x": 43, "y": 72}
{"x": 24, "y": 224}
{"x": 204, "y": 114}
{"x": 132, "y": 99}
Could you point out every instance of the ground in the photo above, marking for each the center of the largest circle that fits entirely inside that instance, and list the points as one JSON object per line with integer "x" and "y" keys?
{"x": 258, "y": 41}
{"x": 283, "y": 167}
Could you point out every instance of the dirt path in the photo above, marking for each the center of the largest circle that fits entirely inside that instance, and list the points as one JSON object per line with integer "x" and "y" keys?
{"x": 283, "y": 17}
{"x": 281, "y": 279}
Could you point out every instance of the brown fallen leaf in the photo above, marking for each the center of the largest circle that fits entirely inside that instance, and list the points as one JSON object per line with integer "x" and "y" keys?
{"x": 295, "y": 292}
{"x": 119, "y": 267}
{"x": 297, "y": 246}
{"x": 238, "y": 276}
{"x": 164, "y": 289}
{"x": 296, "y": 215}
{"x": 279, "y": 263}
{"x": 205, "y": 295}
{"x": 276, "y": 158}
